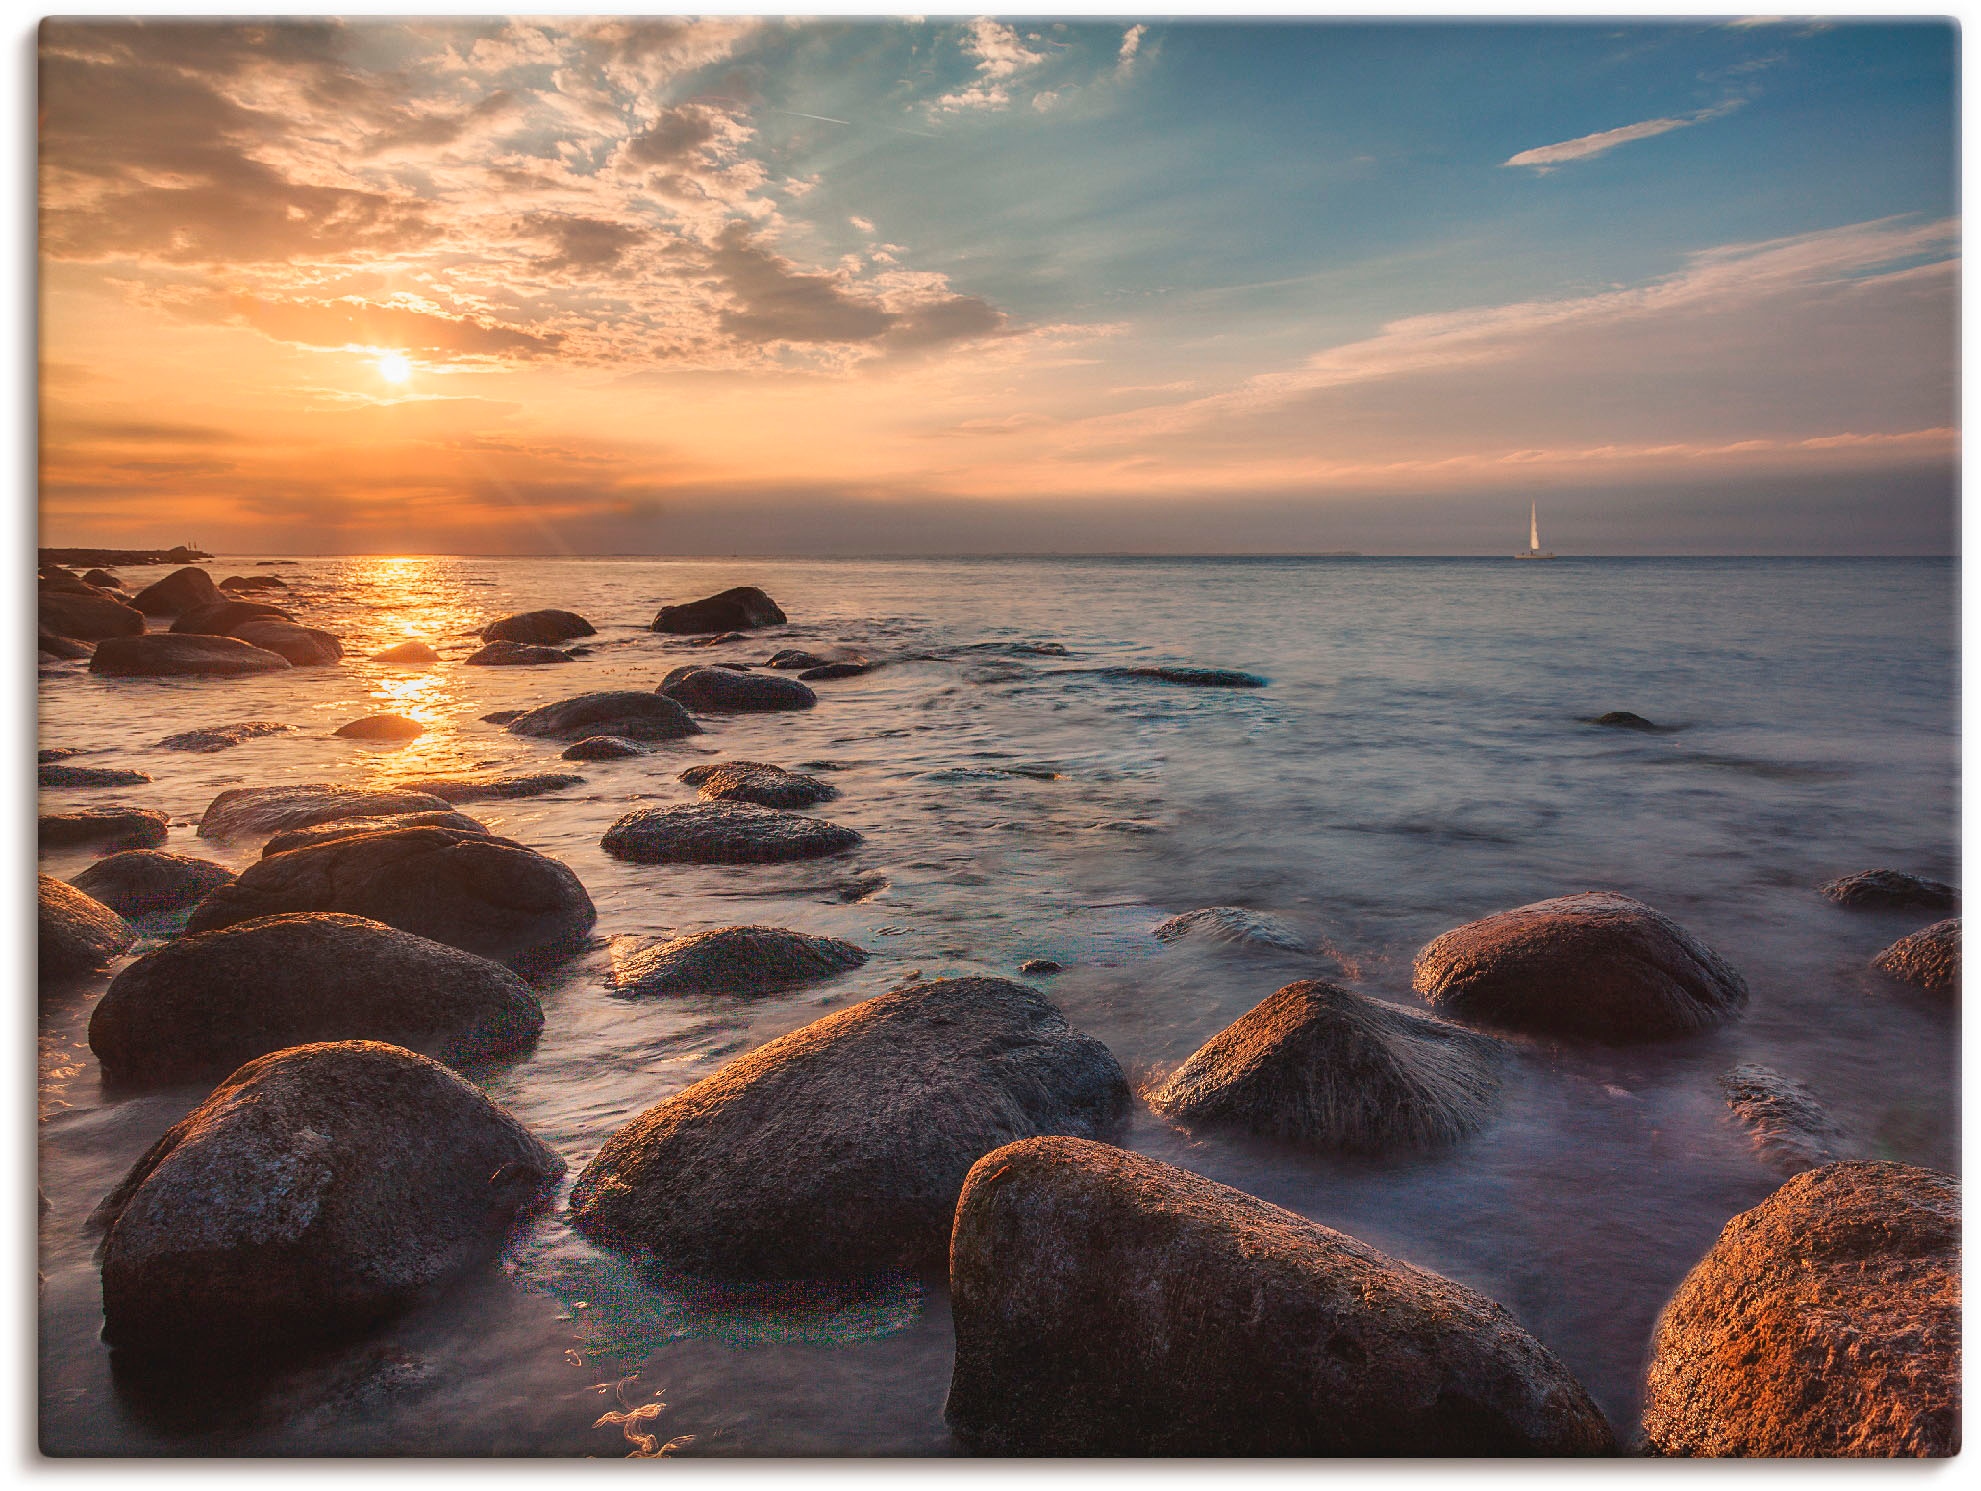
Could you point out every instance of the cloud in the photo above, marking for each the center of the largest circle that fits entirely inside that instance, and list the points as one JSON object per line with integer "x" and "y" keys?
{"x": 360, "y": 324}
{"x": 584, "y": 242}
{"x": 1131, "y": 45}
{"x": 1000, "y": 55}
{"x": 1544, "y": 158}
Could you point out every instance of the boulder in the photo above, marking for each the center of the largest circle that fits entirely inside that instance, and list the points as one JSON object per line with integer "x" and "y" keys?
{"x": 755, "y": 781}
{"x": 733, "y": 960}
{"x": 61, "y": 649}
{"x": 1596, "y": 965}
{"x": 473, "y": 891}
{"x": 88, "y": 776}
{"x": 317, "y": 1191}
{"x": 220, "y": 618}
{"x": 1109, "y": 1304}
{"x": 53, "y": 577}
{"x": 59, "y": 753}
{"x": 253, "y": 582}
{"x": 515, "y": 655}
{"x": 345, "y": 828}
{"x": 201, "y": 1006}
{"x": 603, "y": 748}
{"x": 793, "y": 658}
{"x": 839, "y": 1149}
{"x": 541, "y": 628}
{"x": 623, "y": 712}
{"x": 381, "y": 727}
{"x": 89, "y": 617}
{"x": 108, "y": 828}
{"x": 74, "y": 932}
{"x": 1248, "y": 929}
{"x": 1791, "y": 1131}
{"x": 102, "y": 579}
{"x": 303, "y": 646}
{"x": 828, "y": 671}
{"x": 223, "y": 737}
{"x": 1202, "y": 678}
{"x": 493, "y": 787}
{"x": 1623, "y": 719}
{"x": 1825, "y": 1322}
{"x": 723, "y": 690}
{"x": 1893, "y": 889}
{"x": 503, "y": 716}
{"x": 267, "y": 810}
{"x": 407, "y": 652}
{"x": 179, "y": 592}
{"x": 745, "y": 608}
{"x": 144, "y": 882}
{"x": 1323, "y": 1066}
{"x": 723, "y": 833}
{"x": 163, "y": 655}
{"x": 1929, "y": 958}
{"x": 1040, "y": 965}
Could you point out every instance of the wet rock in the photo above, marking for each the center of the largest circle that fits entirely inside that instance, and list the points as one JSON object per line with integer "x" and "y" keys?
{"x": 745, "y": 608}
{"x": 722, "y": 690}
{"x": 1929, "y": 958}
{"x": 1597, "y": 965}
{"x": 108, "y": 828}
{"x": 1318, "y": 1064}
{"x": 794, "y": 657}
{"x": 203, "y": 1005}
{"x": 723, "y": 833}
{"x": 75, "y": 933}
{"x": 179, "y": 554}
{"x": 1791, "y": 1130}
{"x": 102, "y": 579}
{"x": 1623, "y": 719}
{"x": 381, "y": 727}
{"x": 88, "y": 617}
{"x": 54, "y": 578}
{"x": 303, "y": 646}
{"x": 60, "y": 649}
{"x": 253, "y": 582}
{"x": 1890, "y": 888}
{"x": 503, "y": 716}
{"x": 163, "y": 655}
{"x": 494, "y": 787}
{"x": 840, "y": 1148}
{"x": 757, "y": 782}
{"x": 1109, "y": 1304}
{"x": 267, "y": 810}
{"x": 1040, "y": 965}
{"x": 315, "y": 1192}
{"x": 179, "y": 592}
{"x": 469, "y": 890}
{"x": 1202, "y": 678}
{"x": 541, "y": 628}
{"x": 718, "y": 640}
{"x": 515, "y": 655}
{"x": 407, "y": 652}
{"x": 733, "y": 960}
{"x": 828, "y": 671}
{"x": 223, "y": 737}
{"x": 1234, "y": 924}
{"x": 145, "y": 882}
{"x": 603, "y": 748}
{"x": 347, "y": 828}
{"x": 220, "y": 618}
{"x": 88, "y": 776}
{"x": 58, "y": 753}
{"x": 624, "y": 712}
{"x": 1824, "y": 1322}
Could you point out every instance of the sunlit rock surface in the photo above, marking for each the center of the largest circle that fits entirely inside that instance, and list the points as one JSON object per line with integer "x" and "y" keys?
{"x": 540, "y": 628}
{"x": 723, "y": 833}
{"x": 733, "y": 960}
{"x": 74, "y": 932}
{"x": 757, "y": 782}
{"x": 144, "y": 882}
{"x": 251, "y": 810}
{"x": 113, "y": 827}
{"x": 164, "y": 655}
{"x": 1929, "y": 958}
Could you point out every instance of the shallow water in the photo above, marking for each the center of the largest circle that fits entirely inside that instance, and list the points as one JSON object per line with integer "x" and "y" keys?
{"x": 1422, "y": 756}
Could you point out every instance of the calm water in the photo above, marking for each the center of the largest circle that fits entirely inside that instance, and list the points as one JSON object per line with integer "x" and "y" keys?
{"x": 1419, "y": 759}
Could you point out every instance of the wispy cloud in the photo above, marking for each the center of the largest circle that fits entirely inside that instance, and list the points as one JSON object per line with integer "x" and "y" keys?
{"x": 1001, "y": 55}
{"x": 1544, "y": 158}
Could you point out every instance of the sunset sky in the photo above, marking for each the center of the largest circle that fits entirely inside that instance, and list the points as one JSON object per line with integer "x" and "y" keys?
{"x": 618, "y": 286}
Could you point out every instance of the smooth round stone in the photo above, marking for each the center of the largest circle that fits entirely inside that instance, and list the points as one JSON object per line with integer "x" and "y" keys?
{"x": 633, "y": 714}
{"x": 603, "y": 748}
{"x": 733, "y": 960}
{"x": 251, "y": 810}
{"x": 146, "y": 882}
{"x": 382, "y": 727}
{"x": 723, "y": 833}
{"x": 74, "y": 932}
{"x": 757, "y": 782}
{"x": 165, "y": 655}
{"x": 110, "y": 828}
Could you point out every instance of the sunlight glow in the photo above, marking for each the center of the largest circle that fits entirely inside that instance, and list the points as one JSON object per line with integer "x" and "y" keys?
{"x": 395, "y": 367}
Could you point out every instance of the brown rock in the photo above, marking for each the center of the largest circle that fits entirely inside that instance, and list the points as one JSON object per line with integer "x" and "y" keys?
{"x": 303, "y": 646}
{"x": 756, "y": 782}
{"x": 743, "y": 608}
{"x": 89, "y": 617}
{"x": 407, "y": 652}
{"x": 181, "y": 591}
{"x": 732, "y": 960}
{"x": 1929, "y": 958}
{"x": 1890, "y": 888}
{"x": 144, "y": 882}
{"x": 74, "y": 932}
{"x": 381, "y": 727}
{"x": 107, "y": 827}
{"x": 347, "y": 828}
{"x": 251, "y": 810}
{"x": 541, "y": 628}
{"x": 223, "y": 616}
{"x": 163, "y": 655}
{"x": 515, "y": 655}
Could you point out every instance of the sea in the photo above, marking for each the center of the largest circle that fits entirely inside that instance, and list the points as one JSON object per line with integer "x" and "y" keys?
{"x": 1422, "y": 754}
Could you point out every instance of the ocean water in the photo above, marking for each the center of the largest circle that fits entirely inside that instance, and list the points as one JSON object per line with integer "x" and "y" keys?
{"x": 1421, "y": 756}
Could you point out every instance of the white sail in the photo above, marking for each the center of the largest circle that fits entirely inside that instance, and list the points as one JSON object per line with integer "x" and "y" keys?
{"x": 1533, "y": 526}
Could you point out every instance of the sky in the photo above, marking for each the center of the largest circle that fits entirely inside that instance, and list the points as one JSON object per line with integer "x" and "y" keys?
{"x": 993, "y": 285}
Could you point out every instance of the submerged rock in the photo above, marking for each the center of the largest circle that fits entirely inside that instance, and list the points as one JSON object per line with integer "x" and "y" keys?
{"x": 144, "y": 882}
{"x": 181, "y": 591}
{"x": 165, "y": 655}
{"x": 840, "y": 1148}
{"x": 1825, "y": 1322}
{"x": 346, "y": 828}
{"x": 469, "y": 890}
{"x": 503, "y": 716}
{"x": 202, "y": 1005}
{"x": 540, "y": 628}
{"x": 603, "y": 748}
{"x": 87, "y": 616}
{"x": 1929, "y": 958}
{"x": 220, "y": 618}
{"x": 253, "y": 582}
{"x": 1040, "y": 965}
{"x": 1623, "y": 719}
{"x": 303, "y": 646}
{"x": 515, "y": 655}
{"x": 407, "y": 652}
{"x": 1324, "y": 1066}
{"x": 265, "y": 810}
{"x": 623, "y": 712}
{"x": 381, "y": 727}
{"x": 723, "y": 833}
{"x": 1595, "y": 964}
{"x": 827, "y": 671}
{"x": 1109, "y": 1304}
{"x": 1203, "y": 678}
{"x": 734, "y": 960}
{"x": 1890, "y": 888}
{"x": 494, "y": 787}
{"x": 223, "y": 737}
{"x": 724, "y": 690}
{"x": 74, "y": 932}
{"x": 48, "y": 645}
{"x": 744, "y": 608}
{"x": 111, "y": 828}
{"x": 315, "y": 1192}
{"x": 57, "y": 775}
{"x": 758, "y": 782}
{"x": 1791, "y": 1130}
{"x": 1251, "y": 929}
{"x": 794, "y": 657}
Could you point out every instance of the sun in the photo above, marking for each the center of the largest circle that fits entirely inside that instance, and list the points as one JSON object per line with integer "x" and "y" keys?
{"x": 395, "y": 367}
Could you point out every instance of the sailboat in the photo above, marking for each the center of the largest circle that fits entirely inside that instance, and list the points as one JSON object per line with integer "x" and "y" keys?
{"x": 1534, "y": 550}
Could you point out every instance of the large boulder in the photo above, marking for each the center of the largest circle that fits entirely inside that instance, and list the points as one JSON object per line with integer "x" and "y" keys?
{"x": 407, "y": 652}
{"x": 725, "y": 691}
{"x": 89, "y": 616}
{"x": 316, "y": 1191}
{"x": 74, "y": 932}
{"x": 733, "y": 960}
{"x": 220, "y": 618}
{"x": 303, "y": 646}
{"x": 202, "y": 1005}
{"x": 743, "y": 608}
{"x": 1109, "y": 1304}
{"x": 348, "y": 828}
{"x": 757, "y": 782}
{"x": 381, "y": 727}
{"x": 541, "y": 628}
{"x": 491, "y": 787}
{"x": 146, "y": 882}
{"x": 1324, "y": 1066}
{"x": 267, "y": 810}
{"x": 102, "y": 579}
{"x": 623, "y": 712}
{"x": 164, "y": 655}
{"x": 1790, "y": 1129}
{"x": 1883, "y": 889}
{"x": 1253, "y": 930}
{"x": 107, "y": 828}
{"x": 469, "y": 890}
{"x": 1825, "y": 1322}
{"x": 223, "y": 737}
{"x": 179, "y": 592}
{"x": 840, "y": 1148}
{"x": 1929, "y": 957}
{"x": 723, "y": 833}
{"x": 515, "y": 655}
{"x": 1596, "y": 965}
